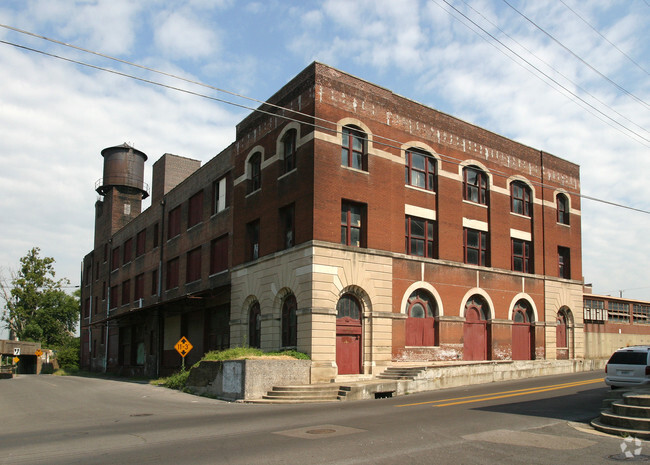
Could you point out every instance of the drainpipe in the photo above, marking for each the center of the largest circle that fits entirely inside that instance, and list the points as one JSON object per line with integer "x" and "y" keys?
{"x": 108, "y": 301}
{"x": 541, "y": 163}
{"x": 160, "y": 272}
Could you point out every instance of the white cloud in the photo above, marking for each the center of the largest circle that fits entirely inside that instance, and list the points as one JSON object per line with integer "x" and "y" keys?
{"x": 180, "y": 35}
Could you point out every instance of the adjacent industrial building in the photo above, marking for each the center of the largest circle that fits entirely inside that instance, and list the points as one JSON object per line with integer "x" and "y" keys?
{"x": 344, "y": 221}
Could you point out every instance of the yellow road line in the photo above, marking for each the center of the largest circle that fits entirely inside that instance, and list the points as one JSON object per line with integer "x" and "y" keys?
{"x": 501, "y": 395}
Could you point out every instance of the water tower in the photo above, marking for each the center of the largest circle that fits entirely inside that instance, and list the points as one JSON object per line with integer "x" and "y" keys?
{"x": 122, "y": 188}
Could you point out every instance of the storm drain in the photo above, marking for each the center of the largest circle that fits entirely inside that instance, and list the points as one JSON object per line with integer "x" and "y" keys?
{"x": 384, "y": 395}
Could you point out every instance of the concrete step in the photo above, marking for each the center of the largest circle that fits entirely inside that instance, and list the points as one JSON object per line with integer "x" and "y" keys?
{"x": 621, "y": 421}
{"x": 289, "y": 401}
{"x": 599, "y": 426}
{"x": 633, "y": 398}
{"x": 306, "y": 388}
{"x": 302, "y": 393}
{"x": 401, "y": 373}
{"x": 624, "y": 409}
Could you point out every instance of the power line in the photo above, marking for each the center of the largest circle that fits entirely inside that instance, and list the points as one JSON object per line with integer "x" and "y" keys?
{"x": 553, "y": 68}
{"x": 448, "y": 158}
{"x": 605, "y": 38}
{"x": 582, "y": 60}
{"x": 550, "y": 78}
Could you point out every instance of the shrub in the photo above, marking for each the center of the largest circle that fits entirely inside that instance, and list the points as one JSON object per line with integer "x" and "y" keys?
{"x": 67, "y": 354}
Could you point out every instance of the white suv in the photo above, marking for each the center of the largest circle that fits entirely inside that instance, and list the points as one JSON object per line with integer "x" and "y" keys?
{"x": 628, "y": 367}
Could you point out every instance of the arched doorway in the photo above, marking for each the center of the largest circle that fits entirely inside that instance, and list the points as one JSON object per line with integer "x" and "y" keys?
{"x": 420, "y": 322}
{"x": 289, "y": 322}
{"x": 523, "y": 345}
{"x": 254, "y": 325}
{"x": 562, "y": 335}
{"x": 475, "y": 329}
{"x": 348, "y": 335}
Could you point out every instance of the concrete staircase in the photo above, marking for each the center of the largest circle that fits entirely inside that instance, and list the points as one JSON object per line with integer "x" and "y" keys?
{"x": 401, "y": 373}
{"x": 300, "y": 394}
{"x": 629, "y": 416}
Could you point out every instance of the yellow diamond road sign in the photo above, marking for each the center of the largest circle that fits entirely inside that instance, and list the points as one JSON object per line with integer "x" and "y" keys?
{"x": 183, "y": 346}
{"x": 16, "y": 360}
{"x": 38, "y": 352}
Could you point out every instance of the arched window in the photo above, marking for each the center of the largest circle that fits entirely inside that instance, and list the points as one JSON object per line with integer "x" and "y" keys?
{"x": 255, "y": 166}
{"x": 520, "y": 196}
{"x": 475, "y": 187}
{"x": 289, "y": 322}
{"x": 348, "y": 307}
{"x": 289, "y": 143}
{"x": 420, "y": 169}
{"x": 254, "y": 325}
{"x": 353, "y": 148}
{"x": 420, "y": 324}
{"x": 562, "y": 209}
{"x": 479, "y": 306}
{"x": 522, "y": 312}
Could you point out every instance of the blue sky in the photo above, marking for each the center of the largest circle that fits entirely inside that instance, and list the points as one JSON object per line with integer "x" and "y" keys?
{"x": 56, "y": 117}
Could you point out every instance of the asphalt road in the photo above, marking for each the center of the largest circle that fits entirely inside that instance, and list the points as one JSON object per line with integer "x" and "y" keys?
{"x": 74, "y": 420}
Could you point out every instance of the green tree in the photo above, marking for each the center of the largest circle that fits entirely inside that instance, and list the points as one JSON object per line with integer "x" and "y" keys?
{"x": 36, "y": 306}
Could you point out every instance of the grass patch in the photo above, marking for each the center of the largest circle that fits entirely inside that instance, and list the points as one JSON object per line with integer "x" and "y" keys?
{"x": 176, "y": 381}
{"x": 244, "y": 353}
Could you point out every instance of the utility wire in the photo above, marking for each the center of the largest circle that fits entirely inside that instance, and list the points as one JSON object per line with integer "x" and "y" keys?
{"x": 604, "y": 38}
{"x": 622, "y": 89}
{"x": 551, "y": 67}
{"x": 550, "y": 78}
{"x": 448, "y": 158}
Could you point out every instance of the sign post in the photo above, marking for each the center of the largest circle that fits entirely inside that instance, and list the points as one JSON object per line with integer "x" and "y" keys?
{"x": 183, "y": 347}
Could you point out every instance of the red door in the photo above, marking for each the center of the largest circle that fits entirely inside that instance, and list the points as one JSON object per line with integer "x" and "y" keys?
{"x": 561, "y": 339}
{"x": 348, "y": 346}
{"x": 474, "y": 336}
{"x": 521, "y": 339}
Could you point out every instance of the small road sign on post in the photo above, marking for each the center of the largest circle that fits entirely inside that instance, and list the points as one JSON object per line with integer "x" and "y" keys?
{"x": 38, "y": 352}
{"x": 183, "y": 347}
{"x": 16, "y": 360}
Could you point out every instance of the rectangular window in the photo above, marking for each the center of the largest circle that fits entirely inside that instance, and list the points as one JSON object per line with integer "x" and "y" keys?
{"x": 564, "y": 262}
{"x": 193, "y": 270}
{"x": 420, "y": 170}
{"x": 353, "y": 224}
{"x": 154, "y": 282}
{"x": 253, "y": 240}
{"x": 112, "y": 301}
{"x": 476, "y": 247}
{"x": 219, "y": 196}
{"x": 126, "y": 292}
{"x": 521, "y": 260}
{"x": 419, "y": 234}
{"x": 115, "y": 259}
{"x": 255, "y": 167}
{"x": 195, "y": 209}
{"x": 353, "y": 148}
{"x": 618, "y": 312}
{"x": 140, "y": 243}
{"x": 86, "y": 307}
{"x": 139, "y": 287}
{"x": 594, "y": 310}
{"x": 174, "y": 223}
{"x": 128, "y": 251}
{"x": 475, "y": 186}
{"x": 289, "y": 142}
{"x": 104, "y": 290}
{"x": 172, "y": 274}
{"x": 156, "y": 235}
{"x": 287, "y": 227}
{"x": 520, "y": 199}
{"x": 219, "y": 254}
{"x": 641, "y": 314}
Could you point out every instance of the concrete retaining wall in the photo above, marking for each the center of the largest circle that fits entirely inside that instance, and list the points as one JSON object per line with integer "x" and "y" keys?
{"x": 462, "y": 375}
{"x": 246, "y": 379}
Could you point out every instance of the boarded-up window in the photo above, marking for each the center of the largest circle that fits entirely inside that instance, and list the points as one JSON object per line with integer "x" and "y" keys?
{"x": 174, "y": 223}
{"x": 140, "y": 243}
{"x": 115, "y": 259}
{"x": 193, "y": 271}
{"x": 126, "y": 292}
{"x": 156, "y": 235}
{"x": 128, "y": 251}
{"x": 113, "y": 297}
{"x": 139, "y": 287}
{"x": 219, "y": 254}
{"x": 154, "y": 282}
{"x": 172, "y": 273}
{"x": 195, "y": 209}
